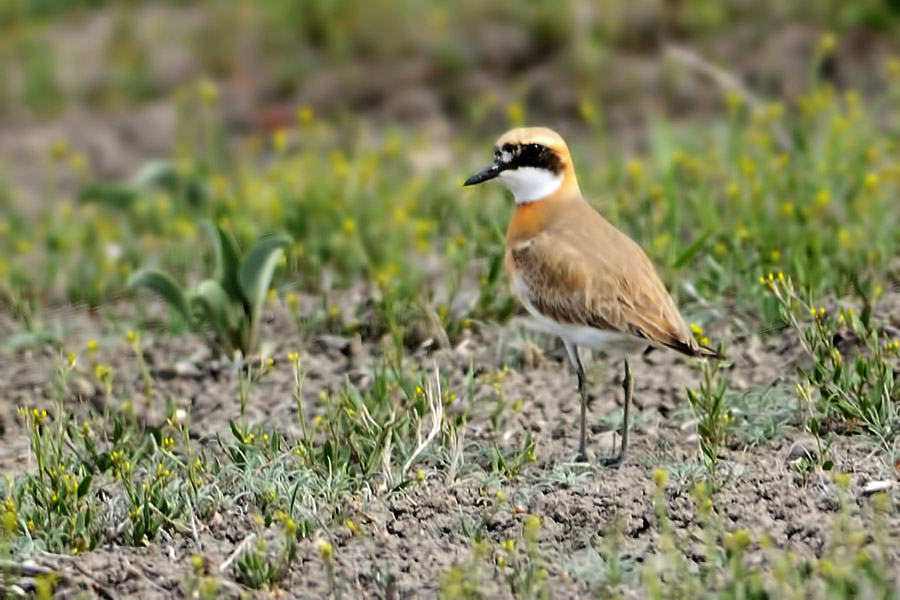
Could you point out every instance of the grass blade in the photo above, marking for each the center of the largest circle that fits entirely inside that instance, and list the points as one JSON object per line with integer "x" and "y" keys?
{"x": 691, "y": 251}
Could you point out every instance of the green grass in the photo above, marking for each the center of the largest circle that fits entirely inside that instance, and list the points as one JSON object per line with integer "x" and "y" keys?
{"x": 716, "y": 207}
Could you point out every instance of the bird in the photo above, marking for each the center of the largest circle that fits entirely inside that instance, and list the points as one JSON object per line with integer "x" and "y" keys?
{"x": 577, "y": 275}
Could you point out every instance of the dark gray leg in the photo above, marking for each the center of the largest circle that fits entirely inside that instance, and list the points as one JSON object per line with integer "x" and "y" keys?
{"x": 572, "y": 350}
{"x": 628, "y": 386}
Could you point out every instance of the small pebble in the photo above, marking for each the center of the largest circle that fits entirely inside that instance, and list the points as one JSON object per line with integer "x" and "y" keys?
{"x": 873, "y": 487}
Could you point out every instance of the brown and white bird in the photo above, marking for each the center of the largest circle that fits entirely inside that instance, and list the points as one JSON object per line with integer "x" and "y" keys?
{"x": 578, "y": 276}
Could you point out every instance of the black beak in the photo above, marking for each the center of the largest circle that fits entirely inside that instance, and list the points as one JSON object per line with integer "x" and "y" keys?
{"x": 486, "y": 174}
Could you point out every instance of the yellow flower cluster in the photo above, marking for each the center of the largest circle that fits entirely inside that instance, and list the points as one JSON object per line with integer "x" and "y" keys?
{"x": 121, "y": 466}
{"x": 290, "y": 527}
{"x": 770, "y": 281}
{"x": 326, "y": 551}
{"x": 103, "y": 373}
{"x": 697, "y": 331}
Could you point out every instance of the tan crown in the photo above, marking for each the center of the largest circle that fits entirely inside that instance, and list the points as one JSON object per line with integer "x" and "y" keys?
{"x": 549, "y": 139}
{"x": 536, "y": 135}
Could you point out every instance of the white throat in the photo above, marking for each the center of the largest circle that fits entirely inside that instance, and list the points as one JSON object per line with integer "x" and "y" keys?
{"x": 530, "y": 183}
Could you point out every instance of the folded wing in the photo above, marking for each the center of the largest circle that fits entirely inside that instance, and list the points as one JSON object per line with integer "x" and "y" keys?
{"x": 607, "y": 283}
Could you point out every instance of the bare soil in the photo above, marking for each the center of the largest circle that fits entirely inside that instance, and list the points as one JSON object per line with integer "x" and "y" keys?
{"x": 411, "y": 538}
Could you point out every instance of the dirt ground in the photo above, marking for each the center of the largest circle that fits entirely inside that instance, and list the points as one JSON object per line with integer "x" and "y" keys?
{"x": 413, "y": 537}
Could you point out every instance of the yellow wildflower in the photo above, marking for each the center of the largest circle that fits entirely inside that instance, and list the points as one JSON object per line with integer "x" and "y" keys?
{"x": 586, "y": 111}
{"x": 280, "y": 141}
{"x": 326, "y": 551}
{"x": 59, "y": 150}
{"x": 516, "y": 114}
{"x": 827, "y": 43}
{"x": 893, "y": 67}
{"x": 635, "y": 169}
{"x": 305, "y": 115}
{"x": 871, "y": 181}
{"x": 207, "y": 91}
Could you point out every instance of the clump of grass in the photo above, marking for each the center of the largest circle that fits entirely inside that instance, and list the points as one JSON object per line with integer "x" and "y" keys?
{"x": 517, "y": 561}
{"x": 524, "y": 569}
{"x": 56, "y": 505}
{"x": 854, "y": 563}
{"x": 852, "y": 376}
{"x": 258, "y": 567}
{"x": 200, "y": 583}
{"x": 710, "y": 410}
{"x": 466, "y": 581}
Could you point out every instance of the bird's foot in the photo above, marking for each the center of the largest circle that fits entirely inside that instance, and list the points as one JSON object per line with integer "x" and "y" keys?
{"x": 581, "y": 457}
{"x": 613, "y": 462}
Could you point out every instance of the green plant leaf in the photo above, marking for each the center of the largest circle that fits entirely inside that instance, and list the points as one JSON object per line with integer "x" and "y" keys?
{"x": 228, "y": 261}
{"x": 256, "y": 273}
{"x": 165, "y": 286}
{"x": 165, "y": 174}
{"x": 691, "y": 251}
{"x": 84, "y": 486}
{"x": 218, "y": 309}
{"x": 274, "y": 443}
{"x": 160, "y": 173}
{"x": 114, "y": 195}
{"x": 236, "y": 431}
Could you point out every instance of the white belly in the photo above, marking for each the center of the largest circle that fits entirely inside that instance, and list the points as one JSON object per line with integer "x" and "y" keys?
{"x": 612, "y": 343}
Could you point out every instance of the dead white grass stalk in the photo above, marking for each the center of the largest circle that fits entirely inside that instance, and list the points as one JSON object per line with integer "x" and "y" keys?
{"x": 436, "y": 410}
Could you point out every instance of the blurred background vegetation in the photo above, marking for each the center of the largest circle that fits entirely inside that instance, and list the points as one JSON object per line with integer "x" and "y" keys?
{"x": 730, "y": 138}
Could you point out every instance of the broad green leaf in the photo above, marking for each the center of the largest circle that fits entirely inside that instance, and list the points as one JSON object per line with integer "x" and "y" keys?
{"x": 160, "y": 173}
{"x": 256, "y": 273}
{"x": 228, "y": 261}
{"x": 165, "y": 286}
{"x": 218, "y": 309}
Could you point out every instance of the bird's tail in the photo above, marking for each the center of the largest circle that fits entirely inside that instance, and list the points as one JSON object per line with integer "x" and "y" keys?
{"x": 707, "y": 352}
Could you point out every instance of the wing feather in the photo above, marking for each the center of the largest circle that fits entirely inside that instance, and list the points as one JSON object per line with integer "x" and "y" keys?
{"x": 607, "y": 283}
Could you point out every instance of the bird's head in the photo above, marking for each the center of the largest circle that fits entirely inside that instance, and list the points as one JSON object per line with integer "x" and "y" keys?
{"x": 533, "y": 162}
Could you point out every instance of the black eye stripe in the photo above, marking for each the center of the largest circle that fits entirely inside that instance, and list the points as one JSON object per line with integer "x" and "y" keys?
{"x": 527, "y": 155}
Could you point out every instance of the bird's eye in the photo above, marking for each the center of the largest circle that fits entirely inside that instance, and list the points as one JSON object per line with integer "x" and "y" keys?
{"x": 536, "y": 148}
